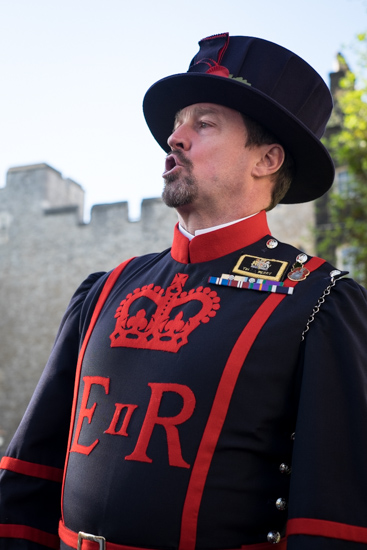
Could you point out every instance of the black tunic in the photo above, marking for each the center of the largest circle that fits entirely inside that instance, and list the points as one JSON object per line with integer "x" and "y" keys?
{"x": 189, "y": 397}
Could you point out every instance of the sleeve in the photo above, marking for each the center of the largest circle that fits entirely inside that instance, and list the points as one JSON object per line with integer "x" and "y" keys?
{"x": 328, "y": 495}
{"x": 31, "y": 471}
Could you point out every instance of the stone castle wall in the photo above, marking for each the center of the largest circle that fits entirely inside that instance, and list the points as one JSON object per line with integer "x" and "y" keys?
{"x": 46, "y": 251}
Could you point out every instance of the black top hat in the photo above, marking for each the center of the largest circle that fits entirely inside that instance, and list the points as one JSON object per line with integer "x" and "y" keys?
{"x": 264, "y": 81}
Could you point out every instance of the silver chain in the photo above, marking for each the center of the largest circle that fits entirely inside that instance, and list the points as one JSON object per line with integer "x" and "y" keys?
{"x": 316, "y": 309}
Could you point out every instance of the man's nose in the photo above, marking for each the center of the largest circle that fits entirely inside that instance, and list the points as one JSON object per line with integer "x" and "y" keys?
{"x": 179, "y": 139}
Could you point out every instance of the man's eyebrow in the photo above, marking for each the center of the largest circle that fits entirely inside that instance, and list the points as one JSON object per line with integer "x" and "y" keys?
{"x": 200, "y": 111}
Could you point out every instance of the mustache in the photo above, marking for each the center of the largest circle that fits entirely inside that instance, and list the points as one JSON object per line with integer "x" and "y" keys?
{"x": 180, "y": 156}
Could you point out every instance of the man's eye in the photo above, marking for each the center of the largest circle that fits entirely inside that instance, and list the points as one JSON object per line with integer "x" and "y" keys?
{"x": 203, "y": 124}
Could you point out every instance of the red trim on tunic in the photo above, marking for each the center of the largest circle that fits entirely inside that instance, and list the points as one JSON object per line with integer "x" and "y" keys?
{"x": 114, "y": 275}
{"x": 213, "y": 245}
{"x": 12, "y": 531}
{"x": 330, "y": 529}
{"x": 230, "y": 373}
{"x": 31, "y": 469}
{"x": 71, "y": 539}
{"x": 219, "y": 411}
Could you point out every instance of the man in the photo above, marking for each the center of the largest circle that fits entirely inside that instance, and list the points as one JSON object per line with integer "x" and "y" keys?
{"x": 220, "y": 389}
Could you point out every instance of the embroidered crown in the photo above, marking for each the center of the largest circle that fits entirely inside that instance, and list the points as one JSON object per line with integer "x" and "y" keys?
{"x": 163, "y": 330}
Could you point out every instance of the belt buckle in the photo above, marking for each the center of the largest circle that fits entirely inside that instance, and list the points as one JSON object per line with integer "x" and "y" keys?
{"x": 94, "y": 538}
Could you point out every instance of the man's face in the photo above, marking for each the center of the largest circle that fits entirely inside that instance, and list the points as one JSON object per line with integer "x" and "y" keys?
{"x": 209, "y": 163}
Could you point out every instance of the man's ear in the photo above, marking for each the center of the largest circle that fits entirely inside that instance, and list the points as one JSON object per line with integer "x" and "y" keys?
{"x": 270, "y": 160}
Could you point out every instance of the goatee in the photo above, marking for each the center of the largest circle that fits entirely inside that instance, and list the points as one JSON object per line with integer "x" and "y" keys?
{"x": 179, "y": 189}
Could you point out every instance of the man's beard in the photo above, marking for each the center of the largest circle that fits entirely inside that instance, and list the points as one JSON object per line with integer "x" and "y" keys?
{"x": 180, "y": 190}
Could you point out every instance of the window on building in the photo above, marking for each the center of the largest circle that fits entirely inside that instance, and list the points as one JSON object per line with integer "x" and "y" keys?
{"x": 344, "y": 183}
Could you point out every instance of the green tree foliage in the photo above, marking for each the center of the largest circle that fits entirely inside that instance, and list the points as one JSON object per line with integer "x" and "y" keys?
{"x": 347, "y": 143}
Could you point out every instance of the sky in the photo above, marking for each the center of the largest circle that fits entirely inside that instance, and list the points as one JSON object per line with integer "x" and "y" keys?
{"x": 74, "y": 74}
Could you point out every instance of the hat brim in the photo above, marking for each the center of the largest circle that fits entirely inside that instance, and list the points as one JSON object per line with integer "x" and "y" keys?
{"x": 314, "y": 173}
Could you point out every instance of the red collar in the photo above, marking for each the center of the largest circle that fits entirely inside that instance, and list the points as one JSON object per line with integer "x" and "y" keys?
{"x": 215, "y": 244}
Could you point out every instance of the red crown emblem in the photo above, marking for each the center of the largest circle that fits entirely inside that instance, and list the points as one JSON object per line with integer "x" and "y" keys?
{"x": 163, "y": 330}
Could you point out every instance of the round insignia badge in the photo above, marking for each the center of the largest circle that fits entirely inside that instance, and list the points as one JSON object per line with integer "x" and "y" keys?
{"x": 301, "y": 258}
{"x": 272, "y": 243}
